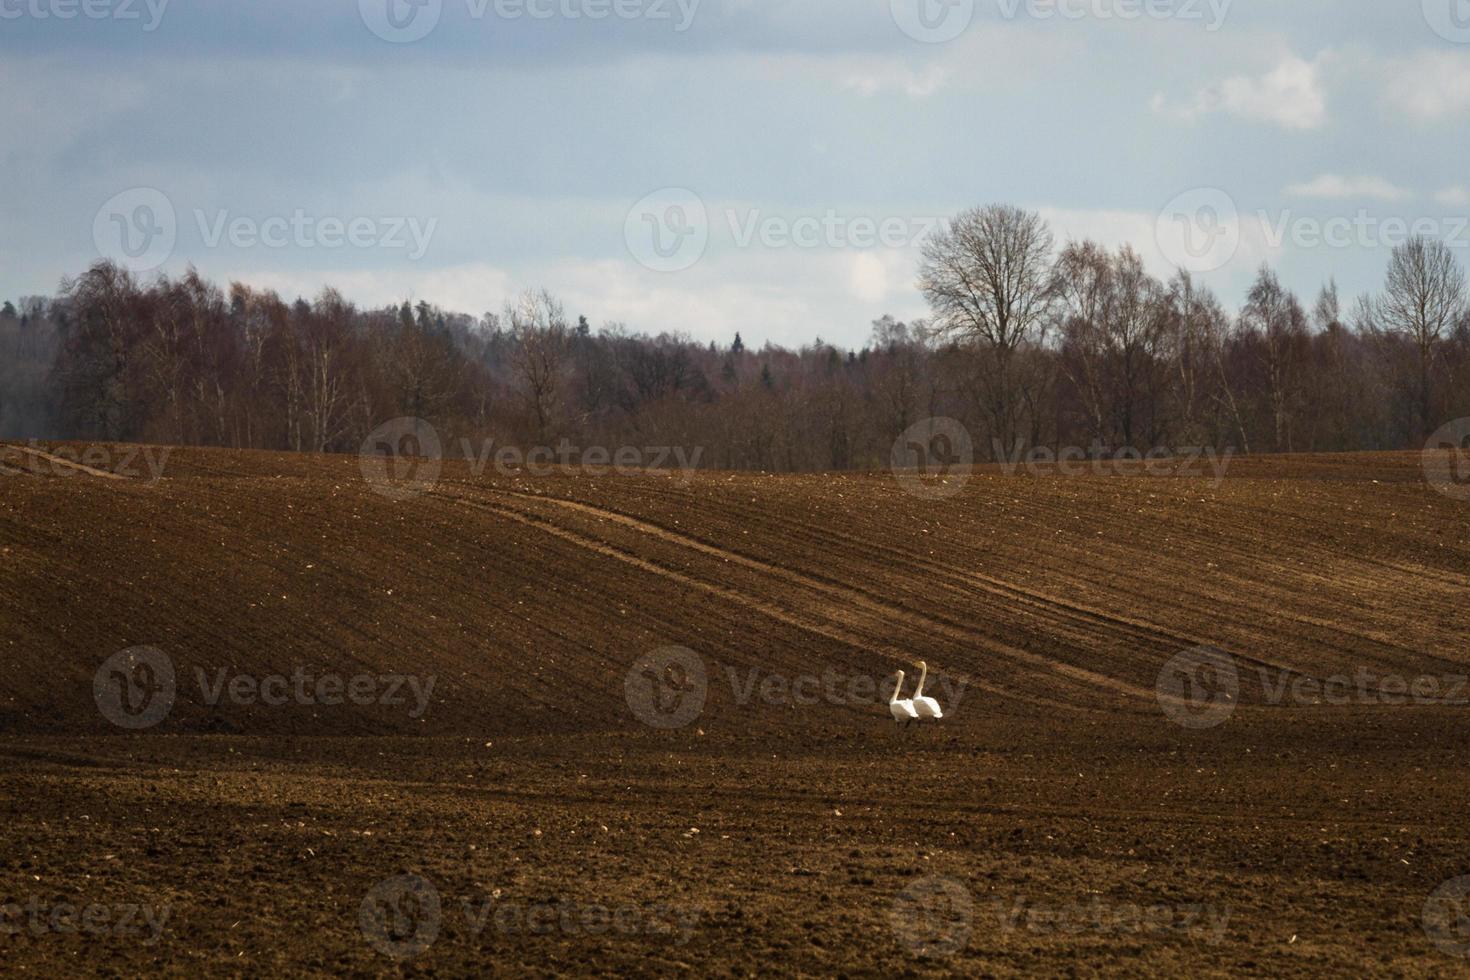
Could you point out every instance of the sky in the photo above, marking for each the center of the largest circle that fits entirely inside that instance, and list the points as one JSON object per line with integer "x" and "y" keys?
{"x": 711, "y": 166}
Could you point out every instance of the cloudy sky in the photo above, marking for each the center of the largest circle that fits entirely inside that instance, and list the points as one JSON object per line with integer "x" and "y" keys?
{"x": 708, "y": 166}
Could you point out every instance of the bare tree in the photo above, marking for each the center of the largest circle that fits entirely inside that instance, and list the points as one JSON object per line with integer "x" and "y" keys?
{"x": 1424, "y": 298}
{"x": 1135, "y": 333}
{"x": 1113, "y": 334}
{"x": 109, "y": 310}
{"x": 424, "y": 373}
{"x": 326, "y": 375}
{"x": 1327, "y": 314}
{"x": 174, "y": 358}
{"x": 986, "y": 276}
{"x": 897, "y": 350}
{"x": 1083, "y": 279}
{"x": 1274, "y": 320}
{"x": 538, "y": 329}
{"x": 1196, "y": 324}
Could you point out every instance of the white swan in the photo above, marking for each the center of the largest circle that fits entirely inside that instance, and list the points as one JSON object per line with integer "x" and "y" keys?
{"x": 902, "y": 711}
{"x": 925, "y": 708}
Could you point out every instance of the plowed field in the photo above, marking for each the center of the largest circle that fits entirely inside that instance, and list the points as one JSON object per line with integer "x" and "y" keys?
{"x": 567, "y": 723}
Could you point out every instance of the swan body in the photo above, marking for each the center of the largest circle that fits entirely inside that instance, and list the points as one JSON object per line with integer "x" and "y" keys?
{"x": 902, "y": 710}
{"x": 925, "y": 708}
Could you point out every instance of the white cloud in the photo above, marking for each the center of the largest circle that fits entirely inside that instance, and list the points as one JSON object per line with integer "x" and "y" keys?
{"x": 1138, "y": 229}
{"x": 1290, "y": 95}
{"x": 787, "y": 296}
{"x": 1430, "y": 86}
{"x": 984, "y": 55}
{"x": 915, "y": 83}
{"x": 869, "y": 278}
{"x": 1454, "y": 197}
{"x": 1336, "y": 187}
{"x": 784, "y": 295}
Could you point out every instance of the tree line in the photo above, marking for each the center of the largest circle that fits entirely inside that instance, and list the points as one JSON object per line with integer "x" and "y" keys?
{"x": 1026, "y": 344}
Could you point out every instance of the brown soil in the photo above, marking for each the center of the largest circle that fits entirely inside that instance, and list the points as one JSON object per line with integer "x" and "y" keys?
{"x": 1059, "y": 820}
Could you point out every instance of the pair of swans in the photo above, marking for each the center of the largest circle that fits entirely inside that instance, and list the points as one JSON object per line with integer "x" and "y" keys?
{"x": 918, "y": 708}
